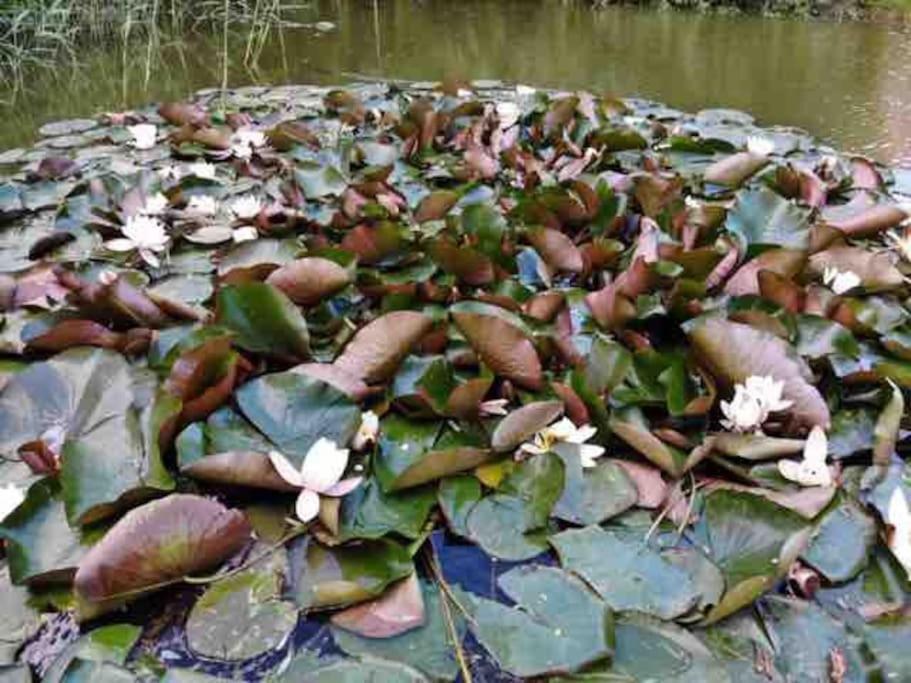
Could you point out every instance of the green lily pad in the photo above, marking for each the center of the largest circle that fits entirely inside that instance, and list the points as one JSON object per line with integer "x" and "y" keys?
{"x": 242, "y": 616}
{"x": 86, "y": 398}
{"x": 843, "y": 540}
{"x": 294, "y": 411}
{"x": 560, "y": 626}
{"x": 427, "y": 648}
{"x": 593, "y": 495}
{"x": 762, "y": 218}
{"x": 347, "y": 574}
{"x": 626, "y": 572}
{"x": 264, "y": 320}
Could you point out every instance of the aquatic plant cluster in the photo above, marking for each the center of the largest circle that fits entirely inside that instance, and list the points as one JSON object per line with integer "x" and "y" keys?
{"x": 425, "y": 381}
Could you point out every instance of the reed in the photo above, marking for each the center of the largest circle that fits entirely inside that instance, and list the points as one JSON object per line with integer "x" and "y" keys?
{"x": 41, "y": 34}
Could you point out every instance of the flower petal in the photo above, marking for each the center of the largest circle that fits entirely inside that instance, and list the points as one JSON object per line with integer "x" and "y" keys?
{"x": 307, "y": 506}
{"x": 816, "y": 447}
{"x": 588, "y": 453}
{"x": 583, "y": 434}
{"x": 285, "y": 469}
{"x": 344, "y": 487}
{"x": 324, "y": 465}
{"x": 120, "y": 244}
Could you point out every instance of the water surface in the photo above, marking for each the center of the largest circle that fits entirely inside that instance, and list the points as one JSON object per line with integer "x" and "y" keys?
{"x": 848, "y": 83}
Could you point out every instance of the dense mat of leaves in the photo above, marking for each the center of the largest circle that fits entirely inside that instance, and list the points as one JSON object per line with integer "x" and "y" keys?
{"x": 418, "y": 382}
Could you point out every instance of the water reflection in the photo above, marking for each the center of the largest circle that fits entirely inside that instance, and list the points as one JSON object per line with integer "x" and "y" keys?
{"x": 848, "y": 83}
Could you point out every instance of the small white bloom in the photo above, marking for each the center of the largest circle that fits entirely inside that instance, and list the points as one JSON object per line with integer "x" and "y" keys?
{"x": 202, "y": 205}
{"x": 245, "y": 141}
{"x": 812, "y": 470}
{"x": 107, "y": 277}
{"x": 525, "y": 90}
{"x": 743, "y": 413}
{"x": 496, "y": 406}
{"x": 170, "y": 172}
{"x": 320, "y": 474}
{"x": 203, "y": 169}
{"x": 367, "y": 432}
{"x": 245, "y": 234}
{"x": 840, "y": 281}
{"x": 11, "y": 497}
{"x": 898, "y": 516}
{"x": 144, "y": 234}
{"x": 154, "y": 205}
{"x": 564, "y": 430}
{"x": 144, "y": 135}
{"x": 692, "y": 203}
{"x": 463, "y": 92}
{"x": 246, "y": 208}
{"x": 768, "y": 392}
{"x": 760, "y": 146}
{"x": 508, "y": 113}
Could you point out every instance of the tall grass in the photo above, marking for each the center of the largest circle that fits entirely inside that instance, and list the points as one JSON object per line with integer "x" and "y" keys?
{"x": 40, "y": 34}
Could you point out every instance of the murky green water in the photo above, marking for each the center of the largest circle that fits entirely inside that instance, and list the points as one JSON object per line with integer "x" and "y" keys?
{"x": 847, "y": 83}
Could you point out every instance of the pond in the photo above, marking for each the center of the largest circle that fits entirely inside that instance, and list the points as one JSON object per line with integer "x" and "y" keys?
{"x": 847, "y": 83}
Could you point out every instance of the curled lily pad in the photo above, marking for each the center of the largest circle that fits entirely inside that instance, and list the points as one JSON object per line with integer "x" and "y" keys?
{"x": 377, "y": 349}
{"x": 159, "y": 543}
{"x": 522, "y": 423}
{"x": 399, "y": 610}
{"x": 309, "y": 280}
{"x": 503, "y": 347}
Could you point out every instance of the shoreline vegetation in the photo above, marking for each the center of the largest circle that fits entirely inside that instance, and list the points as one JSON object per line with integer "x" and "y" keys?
{"x": 42, "y": 34}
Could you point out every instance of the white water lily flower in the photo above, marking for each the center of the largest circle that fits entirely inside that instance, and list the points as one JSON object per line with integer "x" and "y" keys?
{"x": 367, "y": 432}
{"x": 246, "y": 208}
{"x": 144, "y": 234}
{"x": 170, "y": 172}
{"x": 245, "y": 141}
{"x": 202, "y": 205}
{"x": 760, "y": 146}
{"x": 898, "y": 516}
{"x": 692, "y": 203}
{"x": 144, "y": 135}
{"x": 812, "y": 470}
{"x": 768, "y": 392}
{"x": 203, "y": 169}
{"x": 245, "y": 234}
{"x": 840, "y": 281}
{"x": 154, "y": 205}
{"x": 525, "y": 90}
{"x": 566, "y": 431}
{"x": 320, "y": 475}
{"x": 11, "y": 497}
{"x": 744, "y": 412}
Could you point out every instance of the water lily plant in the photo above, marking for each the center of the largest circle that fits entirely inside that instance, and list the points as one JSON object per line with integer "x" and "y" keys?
{"x": 143, "y": 234}
{"x": 246, "y": 208}
{"x": 320, "y": 474}
{"x": 144, "y": 135}
{"x": 246, "y": 141}
{"x": 812, "y": 469}
{"x": 203, "y": 169}
{"x": 760, "y": 146}
{"x": 753, "y": 402}
{"x": 565, "y": 430}
{"x": 840, "y": 281}
{"x": 367, "y": 431}
{"x": 202, "y": 205}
